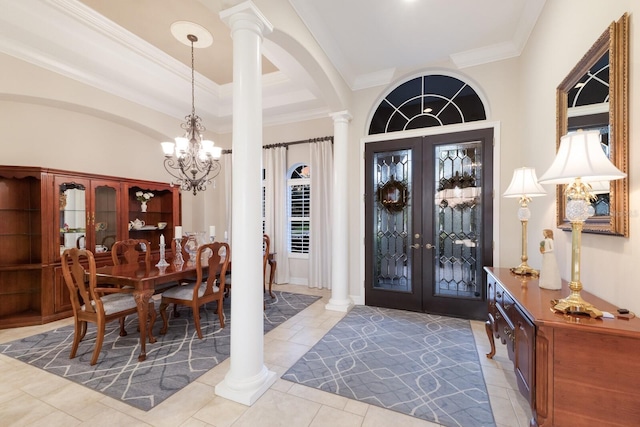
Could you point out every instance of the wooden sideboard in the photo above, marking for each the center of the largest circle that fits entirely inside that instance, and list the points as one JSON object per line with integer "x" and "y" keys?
{"x": 574, "y": 370}
{"x": 43, "y": 211}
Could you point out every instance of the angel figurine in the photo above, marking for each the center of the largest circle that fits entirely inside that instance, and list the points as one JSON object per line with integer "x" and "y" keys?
{"x": 549, "y": 273}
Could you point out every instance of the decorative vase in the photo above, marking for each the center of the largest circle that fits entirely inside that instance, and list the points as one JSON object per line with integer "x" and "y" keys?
{"x": 194, "y": 240}
{"x": 143, "y": 206}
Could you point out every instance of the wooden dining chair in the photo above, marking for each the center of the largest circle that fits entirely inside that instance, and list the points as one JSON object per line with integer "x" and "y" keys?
{"x": 91, "y": 303}
{"x": 131, "y": 251}
{"x": 266, "y": 247}
{"x": 185, "y": 258}
{"x": 211, "y": 269}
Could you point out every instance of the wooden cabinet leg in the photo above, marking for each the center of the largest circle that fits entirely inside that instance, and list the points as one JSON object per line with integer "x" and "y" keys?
{"x": 489, "y": 328}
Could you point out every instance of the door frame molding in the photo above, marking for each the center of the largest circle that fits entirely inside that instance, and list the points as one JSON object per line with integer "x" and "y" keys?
{"x": 436, "y": 130}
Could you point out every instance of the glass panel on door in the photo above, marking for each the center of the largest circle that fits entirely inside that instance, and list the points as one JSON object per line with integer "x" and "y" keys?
{"x": 458, "y": 220}
{"x": 392, "y": 221}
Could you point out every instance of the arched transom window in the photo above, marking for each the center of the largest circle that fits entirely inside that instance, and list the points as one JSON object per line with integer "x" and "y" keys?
{"x": 426, "y": 101}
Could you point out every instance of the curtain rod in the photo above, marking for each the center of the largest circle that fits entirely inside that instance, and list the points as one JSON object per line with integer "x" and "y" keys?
{"x": 286, "y": 144}
{"x": 302, "y": 141}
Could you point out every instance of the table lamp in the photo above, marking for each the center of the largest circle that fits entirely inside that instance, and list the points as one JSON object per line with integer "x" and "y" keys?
{"x": 524, "y": 185}
{"x": 580, "y": 160}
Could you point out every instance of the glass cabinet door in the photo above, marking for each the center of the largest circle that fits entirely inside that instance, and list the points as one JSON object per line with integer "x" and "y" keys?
{"x": 104, "y": 215}
{"x": 73, "y": 215}
{"x": 88, "y": 214}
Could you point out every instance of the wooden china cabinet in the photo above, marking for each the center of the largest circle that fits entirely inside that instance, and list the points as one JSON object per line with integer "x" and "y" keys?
{"x": 45, "y": 211}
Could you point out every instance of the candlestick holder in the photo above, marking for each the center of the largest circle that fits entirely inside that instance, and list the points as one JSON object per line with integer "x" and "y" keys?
{"x": 163, "y": 262}
{"x": 177, "y": 257}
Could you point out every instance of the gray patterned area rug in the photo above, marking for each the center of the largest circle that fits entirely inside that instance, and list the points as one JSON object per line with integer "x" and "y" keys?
{"x": 418, "y": 364}
{"x": 174, "y": 361}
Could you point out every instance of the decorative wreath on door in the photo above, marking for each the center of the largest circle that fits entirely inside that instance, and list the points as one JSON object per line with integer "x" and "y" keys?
{"x": 393, "y": 195}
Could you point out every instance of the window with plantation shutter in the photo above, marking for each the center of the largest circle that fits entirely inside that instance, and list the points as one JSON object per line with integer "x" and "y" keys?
{"x": 299, "y": 192}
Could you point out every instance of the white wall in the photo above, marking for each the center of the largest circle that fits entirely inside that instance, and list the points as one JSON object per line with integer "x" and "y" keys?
{"x": 40, "y": 135}
{"x": 565, "y": 31}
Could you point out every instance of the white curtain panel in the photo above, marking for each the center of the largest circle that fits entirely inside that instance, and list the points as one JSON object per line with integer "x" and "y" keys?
{"x": 268, "y": 160}
{"x": 275, "y": 160}
{"x": 320, "y": 234}
{"x": 226, "y": 164}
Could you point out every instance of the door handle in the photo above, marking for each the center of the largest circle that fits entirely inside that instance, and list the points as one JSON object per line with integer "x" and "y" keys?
{"x": 415, "y": 246}
{"x": 429, "y": 246}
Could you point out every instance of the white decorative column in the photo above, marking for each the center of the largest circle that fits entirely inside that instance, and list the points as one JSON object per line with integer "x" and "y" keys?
{"x": 248, "y": 378}
{"x": 340, "y": 300}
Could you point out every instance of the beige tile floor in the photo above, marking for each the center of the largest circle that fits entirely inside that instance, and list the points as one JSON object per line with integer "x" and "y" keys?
{"x": 31, "y": 397}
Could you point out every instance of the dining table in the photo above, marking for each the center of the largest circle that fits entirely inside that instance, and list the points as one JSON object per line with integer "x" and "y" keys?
{"x": 145, "y": 279}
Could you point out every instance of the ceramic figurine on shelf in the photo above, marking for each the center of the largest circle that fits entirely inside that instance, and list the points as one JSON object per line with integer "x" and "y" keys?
{"x": 549, "y": 273}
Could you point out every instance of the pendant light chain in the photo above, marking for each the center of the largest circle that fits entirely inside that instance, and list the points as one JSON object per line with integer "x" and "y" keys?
{"x": 193, "y": 39}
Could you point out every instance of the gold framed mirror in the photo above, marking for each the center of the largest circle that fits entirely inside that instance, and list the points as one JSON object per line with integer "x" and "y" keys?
{"x": 594, "y": 95}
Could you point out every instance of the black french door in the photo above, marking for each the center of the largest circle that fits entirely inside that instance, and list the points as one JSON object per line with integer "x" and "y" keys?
{"x": 428, "y": 219}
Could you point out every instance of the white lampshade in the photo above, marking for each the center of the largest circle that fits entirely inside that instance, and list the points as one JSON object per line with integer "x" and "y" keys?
{"x": 211, "y": 149}
{"x": 167, "y": 148}
{"x": 524, "y": 184}
{"x": 182, "y": 144}
{"x": 207, "y": 145}
{"x": 216, "y": 152}
{"x": 581, "y": 156}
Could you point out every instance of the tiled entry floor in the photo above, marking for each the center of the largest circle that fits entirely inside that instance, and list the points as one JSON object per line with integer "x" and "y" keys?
{"x": 31, "y": 397}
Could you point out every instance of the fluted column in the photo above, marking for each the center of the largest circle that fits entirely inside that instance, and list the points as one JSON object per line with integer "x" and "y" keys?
{"x": 248, "y": 378}
{"x": 340, "y": 300}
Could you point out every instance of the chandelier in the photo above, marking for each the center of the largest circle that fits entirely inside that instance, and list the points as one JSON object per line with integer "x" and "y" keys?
{"x": 193, "y": 161}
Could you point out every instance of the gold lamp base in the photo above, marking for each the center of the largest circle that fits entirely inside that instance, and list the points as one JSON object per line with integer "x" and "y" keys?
{"x": 574, "y": 304}
{"x": 525, "y": 270}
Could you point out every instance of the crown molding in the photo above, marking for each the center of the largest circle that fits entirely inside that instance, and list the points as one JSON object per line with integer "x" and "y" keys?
{"x": 68, "y": 38}
{"x": 484, "y": 55}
